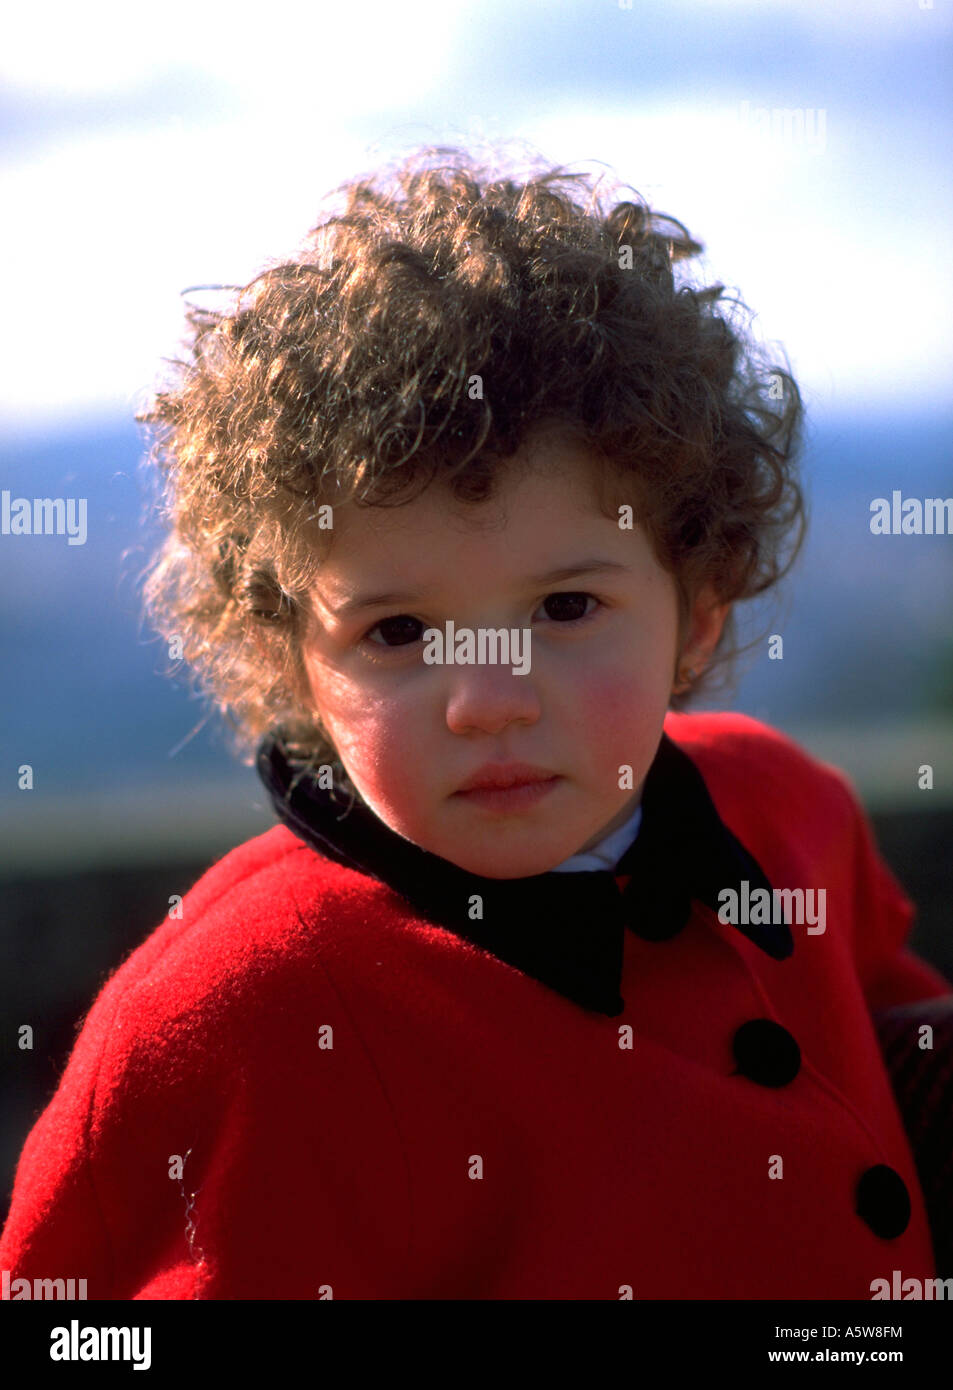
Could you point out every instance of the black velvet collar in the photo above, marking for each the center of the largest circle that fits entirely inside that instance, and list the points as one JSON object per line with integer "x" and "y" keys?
{"x": 566, "y": 930}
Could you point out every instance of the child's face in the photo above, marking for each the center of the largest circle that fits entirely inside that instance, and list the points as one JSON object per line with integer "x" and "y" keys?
{"x": 409, "y": 734}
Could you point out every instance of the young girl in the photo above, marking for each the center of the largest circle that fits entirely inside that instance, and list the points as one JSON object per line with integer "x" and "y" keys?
{"x": 542, "y": 988}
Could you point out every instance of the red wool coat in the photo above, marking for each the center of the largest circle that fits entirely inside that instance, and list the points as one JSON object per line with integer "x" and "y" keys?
{"x": 369, "y": 1103}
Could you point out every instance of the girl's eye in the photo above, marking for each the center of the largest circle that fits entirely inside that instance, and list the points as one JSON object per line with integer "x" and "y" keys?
{"x": 402, "y": 629}
{"x": 567, "y": 608}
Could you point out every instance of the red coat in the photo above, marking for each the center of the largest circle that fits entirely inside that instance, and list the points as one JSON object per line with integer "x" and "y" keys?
{"x": 370, "y": 1105}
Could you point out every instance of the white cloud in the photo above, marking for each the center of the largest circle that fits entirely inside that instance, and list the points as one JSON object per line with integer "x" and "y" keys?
{"x": 106, "y": 233}
{"x": 859, "y": 293}
{"x": 283, "y": 49}
{"x": 841, "y": 252}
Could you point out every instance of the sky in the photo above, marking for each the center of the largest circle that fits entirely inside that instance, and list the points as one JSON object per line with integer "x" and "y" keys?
{"x": 144, "y": 150}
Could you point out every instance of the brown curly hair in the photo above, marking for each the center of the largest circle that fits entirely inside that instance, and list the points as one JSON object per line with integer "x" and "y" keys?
{"x": 341, "y": 374}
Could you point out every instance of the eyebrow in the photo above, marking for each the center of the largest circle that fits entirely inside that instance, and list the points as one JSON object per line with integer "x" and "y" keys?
{"x": 360, "y": 602}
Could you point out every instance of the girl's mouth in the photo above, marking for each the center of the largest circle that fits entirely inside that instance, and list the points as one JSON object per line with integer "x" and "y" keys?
{"x": 510, "y": 798}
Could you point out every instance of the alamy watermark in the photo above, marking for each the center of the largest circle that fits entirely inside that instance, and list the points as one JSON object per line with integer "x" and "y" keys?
{"x": 910, "y": 1289}
{"x": 486, "y": 646}
{"x": 793, "y": 127}
{"x": 75, "y": 1343}
{"x": 14, "y": 1289}
{"x": 43, "y": 516}
{"x": 762, "y": 908}
{"x": 911, "y": 516}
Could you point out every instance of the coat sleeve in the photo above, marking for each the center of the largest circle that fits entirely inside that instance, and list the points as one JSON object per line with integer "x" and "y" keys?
{"x": 890, "y": 972}
{"x": 92, "y": 1197}
{"x": 54, "y": 1227}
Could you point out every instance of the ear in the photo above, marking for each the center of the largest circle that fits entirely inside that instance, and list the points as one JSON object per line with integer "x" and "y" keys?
{"x": 703, "y": 628}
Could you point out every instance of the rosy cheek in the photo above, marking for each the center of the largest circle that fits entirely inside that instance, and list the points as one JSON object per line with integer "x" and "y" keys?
{"x": 616, "y": 702}
{"x": 618, "y": 724}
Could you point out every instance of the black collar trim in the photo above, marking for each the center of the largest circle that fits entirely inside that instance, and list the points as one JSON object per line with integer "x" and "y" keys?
{"x": 566, "y": 930}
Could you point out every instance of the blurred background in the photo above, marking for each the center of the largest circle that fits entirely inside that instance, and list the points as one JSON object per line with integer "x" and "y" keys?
{"x": 145, "y": 151}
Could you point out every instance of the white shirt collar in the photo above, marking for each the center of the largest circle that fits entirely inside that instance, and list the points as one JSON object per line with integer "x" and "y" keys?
{"x": 607, "y": 853}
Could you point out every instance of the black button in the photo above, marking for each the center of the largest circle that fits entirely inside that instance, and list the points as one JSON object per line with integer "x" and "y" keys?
{"x": 766, "y": 1052}
{"x": 655, "y": 916}
{"x": 883, "y": 1201}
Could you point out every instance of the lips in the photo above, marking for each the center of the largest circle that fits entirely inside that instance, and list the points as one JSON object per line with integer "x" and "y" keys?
{"x": 503, "y": 776}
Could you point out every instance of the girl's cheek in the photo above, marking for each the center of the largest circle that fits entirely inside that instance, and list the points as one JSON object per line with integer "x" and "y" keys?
{"x": 617, "y": 702}
{"x": 376, "y": 735}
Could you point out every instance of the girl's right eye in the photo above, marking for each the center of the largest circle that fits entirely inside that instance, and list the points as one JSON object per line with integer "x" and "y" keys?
{"x": 402, "y": 628}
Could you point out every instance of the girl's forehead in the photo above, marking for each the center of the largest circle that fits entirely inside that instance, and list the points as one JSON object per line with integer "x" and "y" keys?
{"x": 561, "y": 492}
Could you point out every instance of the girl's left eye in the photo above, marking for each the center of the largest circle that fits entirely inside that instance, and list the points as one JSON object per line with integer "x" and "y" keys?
{"x": 568, "y": 607}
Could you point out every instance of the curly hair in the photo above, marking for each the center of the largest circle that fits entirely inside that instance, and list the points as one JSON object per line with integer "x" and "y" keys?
{"x": 341, "y": 374}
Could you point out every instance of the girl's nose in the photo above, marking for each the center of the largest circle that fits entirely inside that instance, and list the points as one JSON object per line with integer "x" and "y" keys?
{"x": 487, "y": 698}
